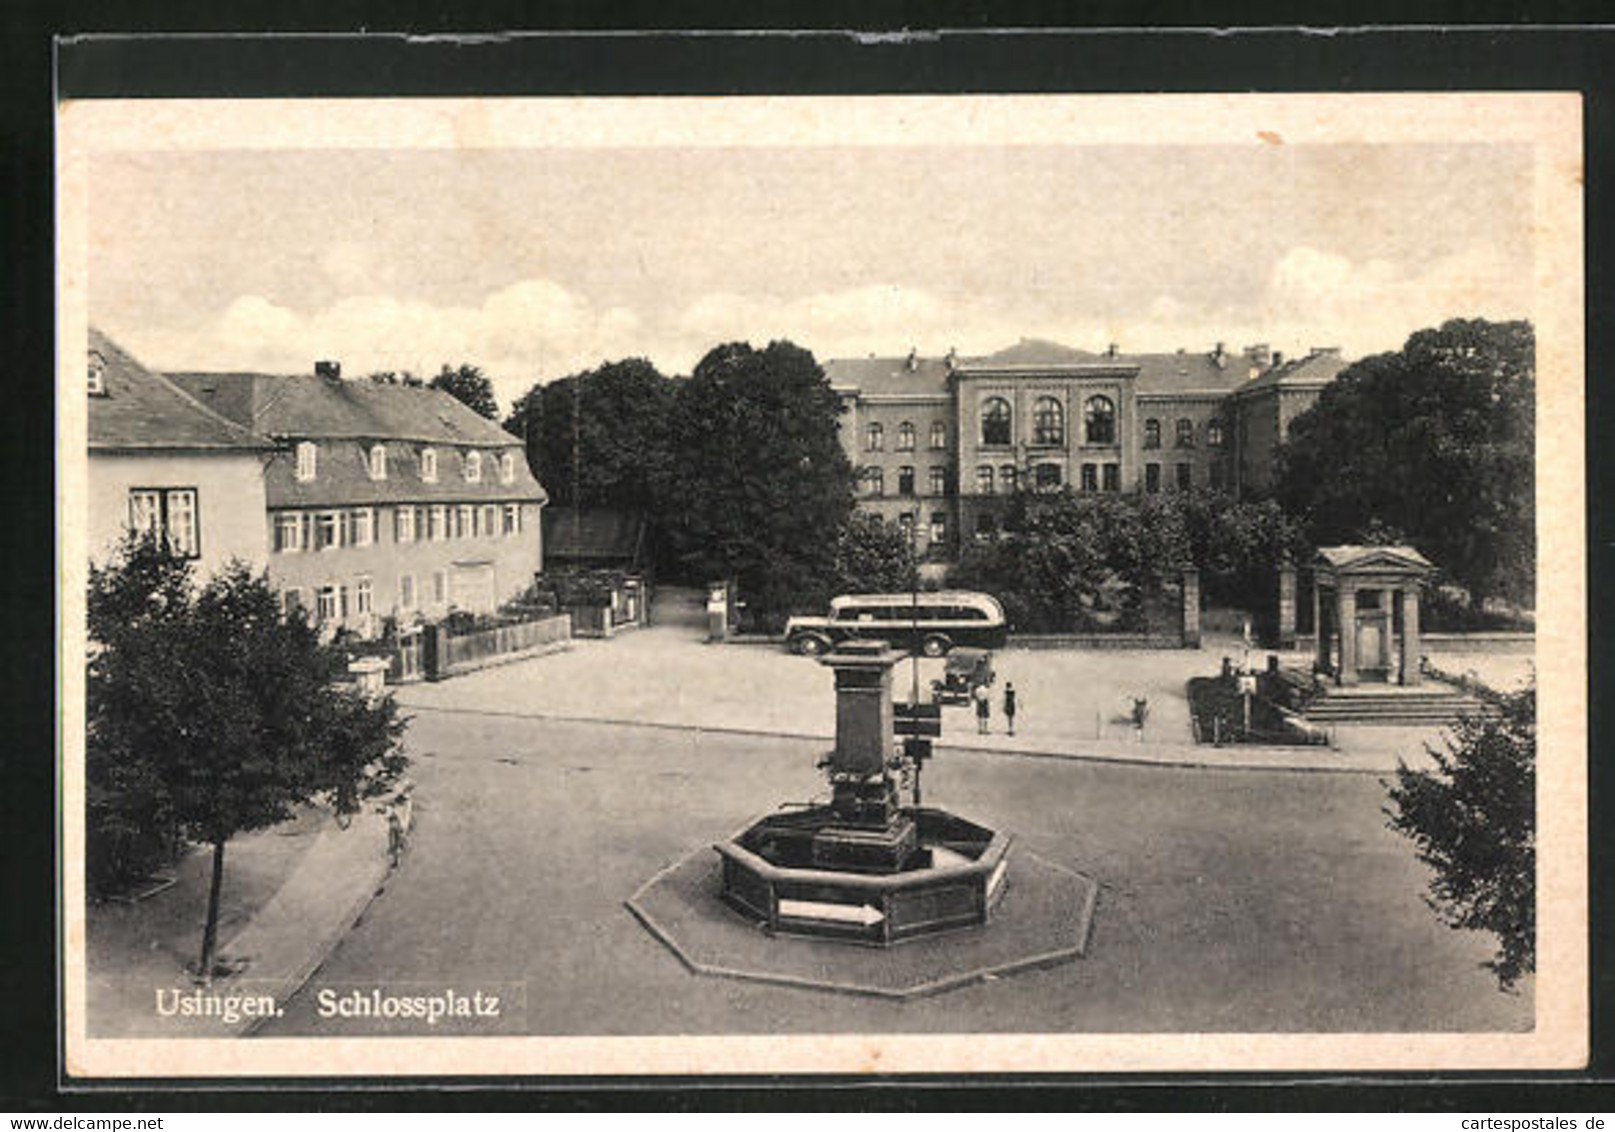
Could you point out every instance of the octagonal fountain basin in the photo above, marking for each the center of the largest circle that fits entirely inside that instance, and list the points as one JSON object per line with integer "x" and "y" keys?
{"x": 936, "y": 872}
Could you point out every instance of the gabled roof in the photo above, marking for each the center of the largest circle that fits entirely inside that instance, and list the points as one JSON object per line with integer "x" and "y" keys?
{"x": 297, "y": 407}
{"x": 144, "y": 411}
{"x": 1177, "y": 372}
{"x": 1351, "y": 558}
{"x": 594, "y": 533}
{"x": 879, "y": 376}
{"x": 1318, "y": 368}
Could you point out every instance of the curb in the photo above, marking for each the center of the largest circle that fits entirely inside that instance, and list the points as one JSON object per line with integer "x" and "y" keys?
{"x": 1184, "y": 761}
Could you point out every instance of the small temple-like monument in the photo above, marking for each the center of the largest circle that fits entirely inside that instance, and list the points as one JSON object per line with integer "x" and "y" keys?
{"x": 1364, "y": 599}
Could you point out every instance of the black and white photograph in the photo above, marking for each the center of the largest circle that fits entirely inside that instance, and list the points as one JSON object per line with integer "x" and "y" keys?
{"x": 822, "y": 585}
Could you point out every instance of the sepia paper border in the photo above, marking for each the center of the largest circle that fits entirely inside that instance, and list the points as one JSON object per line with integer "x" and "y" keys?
{"x": 1550, "y": 123}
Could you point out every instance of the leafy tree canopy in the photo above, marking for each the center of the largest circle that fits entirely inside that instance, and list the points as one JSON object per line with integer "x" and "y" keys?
{"x": 209, "y": 710}
{"x": 600, "y": 438}
{"x": 1436, "y": 441}
{"x": 871, "y": 556}
{"x": 1472, "y": 819}
{"x": 761, "y": 484}
{"x": 468, "y": 385}
{"x": 396, "y": 377}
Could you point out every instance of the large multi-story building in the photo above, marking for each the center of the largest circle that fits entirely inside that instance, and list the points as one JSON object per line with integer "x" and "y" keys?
{"x": 941, "y": 443}
{"x": 382, "y": 500}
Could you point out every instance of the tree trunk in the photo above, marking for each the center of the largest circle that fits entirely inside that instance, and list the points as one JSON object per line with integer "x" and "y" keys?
{"x": 210, "y": 933}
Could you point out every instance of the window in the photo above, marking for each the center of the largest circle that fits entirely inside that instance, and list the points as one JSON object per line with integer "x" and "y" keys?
{"x": 1048, "y": 421}
{"x": 874, "y": 438}
{"x": 404, "y": 524}
{"x": 363, "y": 528}
{"x": 1006, "y": 479}
{"x": 1152, "y": 478}
{"x": 1100, "y": 421}
{"x": 874, "y": 481}
{"x": 939, "y": 436}
{"x": 168, "y": 513}
{"x": 507, "y": 468}
{"x": 1048, "y": 477}
{"x": 1090, "y": 477}
{"x": 1185, "y": 433}
{"x": 437, "y": 525}
{"x": 307, "y": 461}
{"x": 362, "y": 595}
{"x": 984, "y": 480}
{"x": 428, "y": 465}
{"x": 95, "y": 377}
{"x": 291, "y": 601}
{"x": 327, "y": 531}
{"x": 1219, "y": 478}
{"x": 905, "y": 480}
{"x": 1185, "y": 476}
{"x": 513, "y": 518}
{"x": 378, "y": 462}
{"x": 288, "y": 533}
{"x": 1113, "y": 476}
{"x": 939, "y": 481}
{"x": 905, "y": 524}
{"x": 1213, "y": 434}
{"x": 490, "y": 520}
{"x": 473, "y": 467}
{"x": 905, "y": 437}
{"x": 329, "y": 603}
{"x": 939, "y": 526}
{"x": 1152, "y": 433}
{"x": 406, "y": 591}
{"x": 465, "y": 521}
{"x": 440, "y": 586}
{"x": 986, "y": 526}
{"x": 995, "y": 421}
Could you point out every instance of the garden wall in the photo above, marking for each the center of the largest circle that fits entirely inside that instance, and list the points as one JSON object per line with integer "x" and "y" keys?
{"x": 447, "y": 655}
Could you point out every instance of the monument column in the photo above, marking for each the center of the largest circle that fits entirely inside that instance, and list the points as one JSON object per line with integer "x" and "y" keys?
{"x": 1320, "y": 631}
{"x": 1410, "y": 635}
{"x": 1387, "y": 596}
{"x": 1346, "y": 617}
{"x": 1286, "y": 606}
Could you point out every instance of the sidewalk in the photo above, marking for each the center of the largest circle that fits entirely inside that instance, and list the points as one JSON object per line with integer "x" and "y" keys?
{"x": 290, "y": 893}
{"x": 1073, "y": 704}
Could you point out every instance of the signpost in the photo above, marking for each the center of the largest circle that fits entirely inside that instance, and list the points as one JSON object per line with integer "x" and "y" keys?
{"x": 917, "y": 725}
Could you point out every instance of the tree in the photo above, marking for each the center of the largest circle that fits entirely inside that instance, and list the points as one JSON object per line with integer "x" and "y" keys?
{"x": 600, "y": 438}
{"x": 760, "y": 484}
{"x": 211, "y": 714}
{"x": 872, "y": 556}
{"x": 396, "y": 377}
{"x": 468, "y": 385}
{"x": 1473, "y": 821}
{"x": 1437, "y": 441}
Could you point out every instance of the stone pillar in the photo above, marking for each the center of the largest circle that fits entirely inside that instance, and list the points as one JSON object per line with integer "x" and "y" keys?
{"x": 1191, "y": 609}
{"x": 1410, "y": 635}
{"x": 1387, "y": 599}
{"x": 1320, "y": 631}
{"x": 864, "y": 718}
{"x": 1286, "y": 606}
{"x": 1346, "y": 616}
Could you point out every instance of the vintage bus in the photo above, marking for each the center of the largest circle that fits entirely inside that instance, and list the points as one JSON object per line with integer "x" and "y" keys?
{"x": 929, "y": 623}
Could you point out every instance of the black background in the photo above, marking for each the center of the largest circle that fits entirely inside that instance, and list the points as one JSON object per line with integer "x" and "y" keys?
{"x": 1198, "y": 47}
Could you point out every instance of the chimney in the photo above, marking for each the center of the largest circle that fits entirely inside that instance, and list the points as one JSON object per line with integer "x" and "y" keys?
{"x": 953, "y": 357}
{"x": 1260, "y": 354}
{"x": 1220, "y": 355}
{"x": 1110, "y": 350}
{"x": 331, "y": 371}
{"x": 1278, "y": 358}
{"x": 913, "y": 362}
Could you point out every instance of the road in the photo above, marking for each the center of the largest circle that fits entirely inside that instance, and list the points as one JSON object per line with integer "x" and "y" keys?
{"x": 1230, "y": 900}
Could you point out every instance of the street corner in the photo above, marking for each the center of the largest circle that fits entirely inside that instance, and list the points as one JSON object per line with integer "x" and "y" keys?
{"x": 1043, "y": 917}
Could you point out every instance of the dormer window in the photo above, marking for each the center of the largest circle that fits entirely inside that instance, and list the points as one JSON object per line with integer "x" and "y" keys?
{"x": 378, "y": 462}
{"x": 96, "y": 376}
{"x": 428, "y": 465}
{"x": 307, "y": 461}
{"x": 507, "y": 468}
{"x": 473, "y": 467}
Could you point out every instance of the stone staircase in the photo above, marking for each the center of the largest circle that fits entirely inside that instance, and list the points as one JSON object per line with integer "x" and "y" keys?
{"x": 1436, "y": 705}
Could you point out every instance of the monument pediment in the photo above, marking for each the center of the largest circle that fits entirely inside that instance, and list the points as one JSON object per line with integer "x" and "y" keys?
{"x": 1373, "y": 560}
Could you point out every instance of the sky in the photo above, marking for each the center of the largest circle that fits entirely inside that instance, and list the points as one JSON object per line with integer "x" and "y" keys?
{"x": 537, "y": 263}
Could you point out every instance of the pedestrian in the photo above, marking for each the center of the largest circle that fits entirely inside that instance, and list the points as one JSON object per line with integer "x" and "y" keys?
{"x": 1009, "y": 707}
{"x": 984, "y": 707}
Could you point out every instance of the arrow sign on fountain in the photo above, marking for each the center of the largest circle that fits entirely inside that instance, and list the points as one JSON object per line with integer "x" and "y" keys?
{"x": 864, "y": 914}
